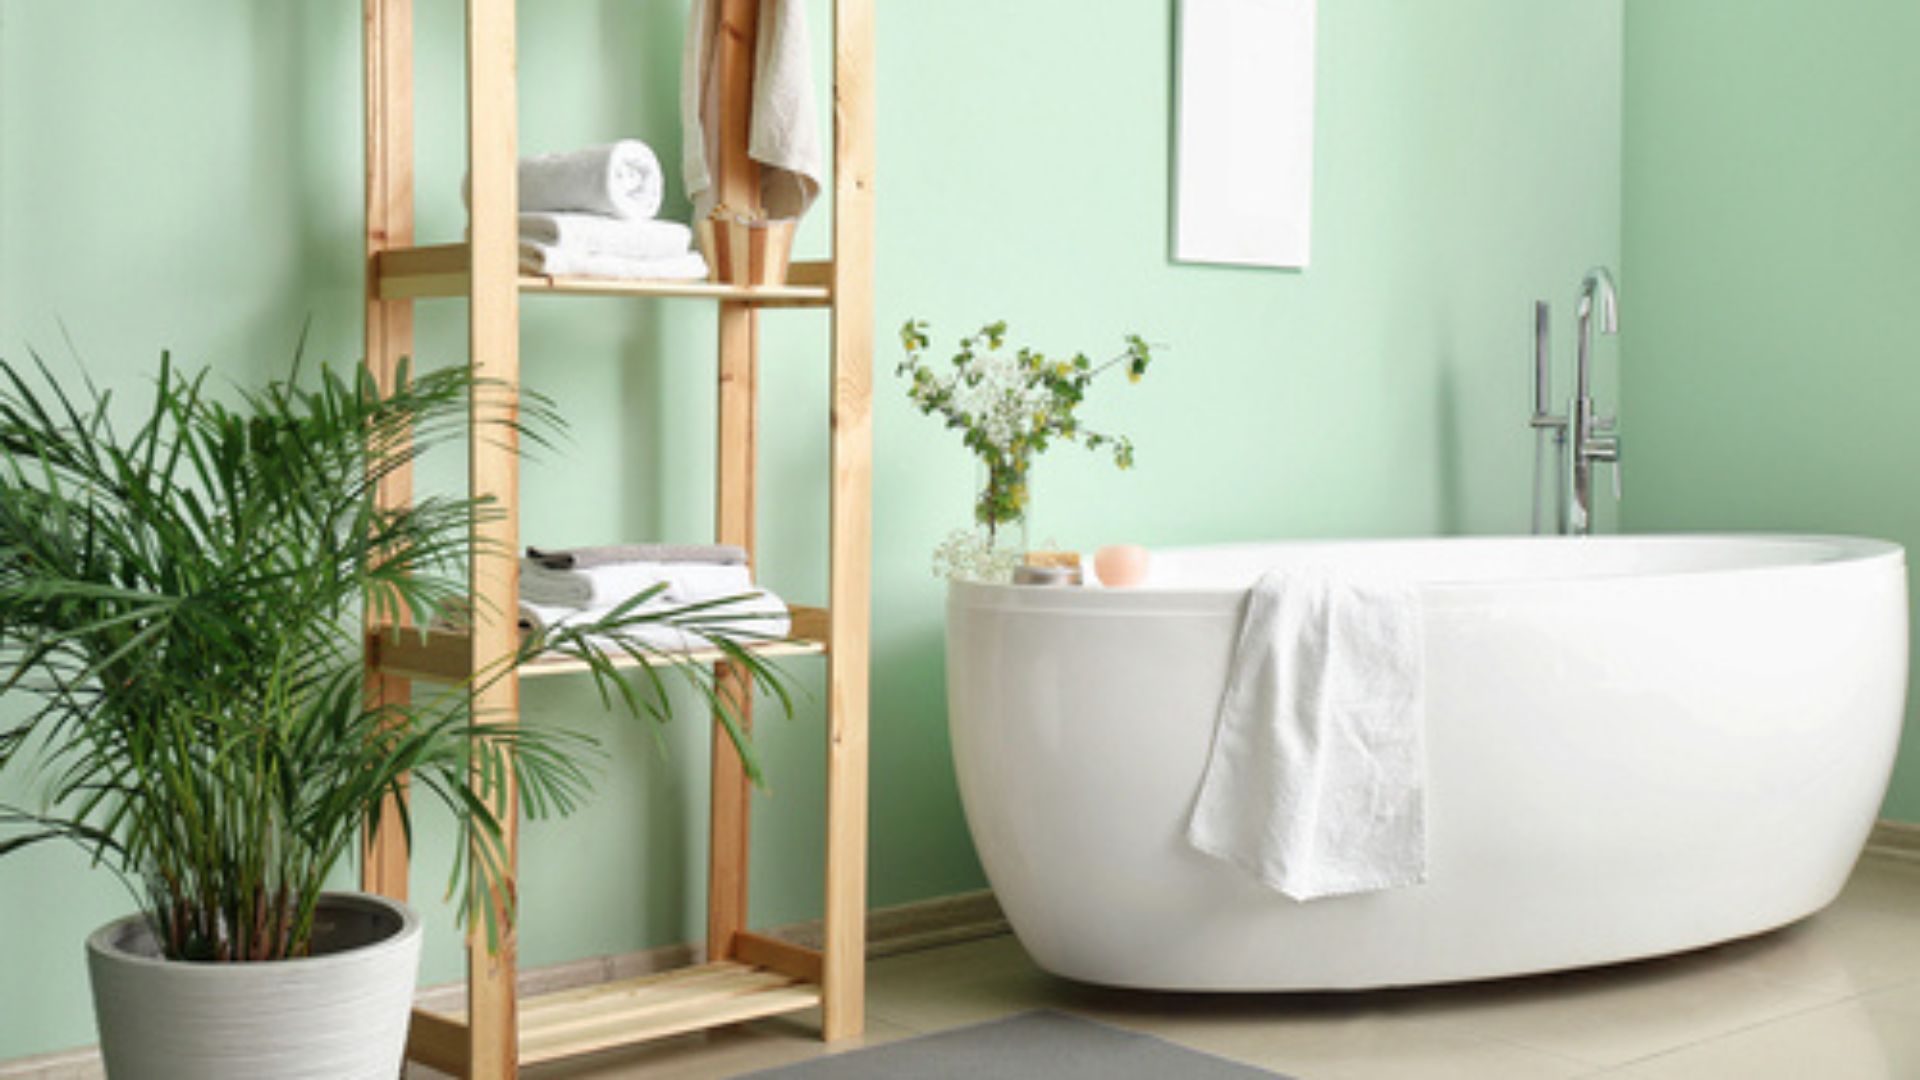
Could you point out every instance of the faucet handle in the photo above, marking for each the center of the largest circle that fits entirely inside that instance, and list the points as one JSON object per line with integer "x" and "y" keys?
{"x": 1603, "y": 448}
{"x": 1606, "y": 449}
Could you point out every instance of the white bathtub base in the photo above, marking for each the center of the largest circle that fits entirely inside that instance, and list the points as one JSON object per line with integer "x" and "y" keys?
{"x": 1377, "y": 944}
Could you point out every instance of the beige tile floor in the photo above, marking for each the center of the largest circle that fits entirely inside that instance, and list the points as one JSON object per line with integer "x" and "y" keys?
{"x": 1834, "y": 998}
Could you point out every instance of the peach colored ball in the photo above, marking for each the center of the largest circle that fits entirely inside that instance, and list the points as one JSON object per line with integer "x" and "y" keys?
{"x": 1120, "y": 565}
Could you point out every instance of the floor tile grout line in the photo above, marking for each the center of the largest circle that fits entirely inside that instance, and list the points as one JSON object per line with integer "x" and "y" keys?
{"x": 1471, "y": 1034}
{"x": 1751, "y": 1029}
{"x": 1732, "y": 1033}
{"x": 1793, "y": 1012}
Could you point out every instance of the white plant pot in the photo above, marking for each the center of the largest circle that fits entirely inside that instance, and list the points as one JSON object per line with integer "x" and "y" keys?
{"x": 341, "y": 1014}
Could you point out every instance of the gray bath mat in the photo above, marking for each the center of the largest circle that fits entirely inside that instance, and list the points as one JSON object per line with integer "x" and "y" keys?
{"x": 1031, "y": 1046}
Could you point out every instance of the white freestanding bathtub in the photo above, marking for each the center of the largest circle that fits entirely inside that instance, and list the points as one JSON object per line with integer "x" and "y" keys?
{"x": 1636, "y": 745}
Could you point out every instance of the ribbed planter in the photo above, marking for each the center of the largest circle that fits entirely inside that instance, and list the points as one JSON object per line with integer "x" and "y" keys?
{"x": 341, "y": 1014}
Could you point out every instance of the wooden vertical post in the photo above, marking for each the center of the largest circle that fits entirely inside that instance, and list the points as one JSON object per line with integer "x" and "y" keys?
{"x": 850, "y": 588}
{"x": 737, "y": 175}
{"x": 387, "y": 27}
{"x": 494, "y": 474}
{"x": 737, "y": 186}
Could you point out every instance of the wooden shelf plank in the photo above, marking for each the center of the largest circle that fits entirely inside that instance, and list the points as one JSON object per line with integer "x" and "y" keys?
{"x": 807, "y": 965}
{"x": 442, "y": 655}
{"x": 438, "y": 1042}
{"x": 757, "y": 295}
{"x": 575, "y": 1022}
{"x": 440, "y": 270}
{"x": 682, "y": 1002}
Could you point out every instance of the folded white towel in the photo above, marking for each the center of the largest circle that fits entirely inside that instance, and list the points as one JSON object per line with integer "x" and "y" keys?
{"x": 783, "y": 133}
{"x": 598, "y": 234}
{"x": 608, "y": 586}
{"x": 621, "y": 180}
{"x": 763, "y": 617}
{"x": 566, "y": 262}
{"x": 1316, "y": 781}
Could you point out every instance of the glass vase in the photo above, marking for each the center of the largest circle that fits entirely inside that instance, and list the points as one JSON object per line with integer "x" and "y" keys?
{"x": 1002, "y": 510}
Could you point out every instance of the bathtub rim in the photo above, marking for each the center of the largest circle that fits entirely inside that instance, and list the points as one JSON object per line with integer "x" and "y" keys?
{"x": 1841, "y": 552}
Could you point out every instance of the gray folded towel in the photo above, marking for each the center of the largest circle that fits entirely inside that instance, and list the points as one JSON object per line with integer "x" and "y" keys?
{"x": 606, "y": 586}
{"x": 585, "y": 558}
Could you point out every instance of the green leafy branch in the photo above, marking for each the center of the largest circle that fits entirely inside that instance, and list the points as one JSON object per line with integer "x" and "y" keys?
{"x": 1010, "y": 408}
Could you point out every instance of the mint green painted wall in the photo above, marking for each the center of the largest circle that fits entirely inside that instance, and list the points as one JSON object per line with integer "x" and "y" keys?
{"x": 186, "y": 175}
{"x": 1771, "y": 229}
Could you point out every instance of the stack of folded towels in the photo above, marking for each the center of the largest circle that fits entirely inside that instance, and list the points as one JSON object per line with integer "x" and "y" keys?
{"x": 560, "y": 586}
{"x": 591, "y": 213}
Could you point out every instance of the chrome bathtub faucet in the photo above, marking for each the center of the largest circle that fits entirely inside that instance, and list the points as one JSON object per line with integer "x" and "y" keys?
{"x": 1588, "y": 438}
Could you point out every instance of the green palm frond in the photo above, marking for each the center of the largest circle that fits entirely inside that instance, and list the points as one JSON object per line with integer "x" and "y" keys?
{"x": 180, "y": 607}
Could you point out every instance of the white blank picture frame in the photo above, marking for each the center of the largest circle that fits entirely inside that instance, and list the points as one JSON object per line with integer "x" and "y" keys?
{"x": 1244, "y": 173}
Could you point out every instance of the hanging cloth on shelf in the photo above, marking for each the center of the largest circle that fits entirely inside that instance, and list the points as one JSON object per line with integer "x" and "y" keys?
{"x": 784, "y": 133}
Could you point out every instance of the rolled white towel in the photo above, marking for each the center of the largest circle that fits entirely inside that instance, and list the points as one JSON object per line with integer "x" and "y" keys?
{"x": 553, "y": 261}
{"x": 621, "y": 179}
{"x": 598, "y": 234}
{"x": 608, "y": 586}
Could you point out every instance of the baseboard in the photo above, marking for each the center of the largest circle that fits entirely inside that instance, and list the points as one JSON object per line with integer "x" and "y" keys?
{"x": 924, "y": 924}
{"x": 1895, "y": 840}
{"x": 69, "y": 1065}
{"x": 927, "y": 924}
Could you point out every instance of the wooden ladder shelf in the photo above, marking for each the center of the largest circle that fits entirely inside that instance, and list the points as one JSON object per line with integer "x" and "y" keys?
{"x": 747, "y": 975}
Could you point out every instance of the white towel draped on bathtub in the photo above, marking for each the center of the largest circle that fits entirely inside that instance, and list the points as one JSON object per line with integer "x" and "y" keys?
{"x": 1316, "y": 781}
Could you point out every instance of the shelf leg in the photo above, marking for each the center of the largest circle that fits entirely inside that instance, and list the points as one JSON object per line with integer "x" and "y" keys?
{"x": 493, "y": 314}
{"x": 388, "y": 71}
{"x": 737, "y": 185}
{"x": 850, "y": 588}
{"x": 727, "y": 860}
{"x": 735, "y": 500}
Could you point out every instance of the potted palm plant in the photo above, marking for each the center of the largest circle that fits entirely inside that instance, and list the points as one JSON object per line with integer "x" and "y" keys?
{"x": 181, "y": 594}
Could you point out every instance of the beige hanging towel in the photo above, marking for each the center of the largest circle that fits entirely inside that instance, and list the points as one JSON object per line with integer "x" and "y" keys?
{"x": 784, "y": 135}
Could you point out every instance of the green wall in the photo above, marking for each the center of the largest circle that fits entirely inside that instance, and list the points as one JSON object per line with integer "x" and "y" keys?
{"x": 1772, "y": 251}
{"x": 186, "y": 175}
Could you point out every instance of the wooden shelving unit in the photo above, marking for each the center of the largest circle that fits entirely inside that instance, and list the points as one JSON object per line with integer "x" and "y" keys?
{"x": 747, "y": 975}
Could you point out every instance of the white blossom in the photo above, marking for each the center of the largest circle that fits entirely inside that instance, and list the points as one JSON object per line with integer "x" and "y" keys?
{"x": 966, "y": 555}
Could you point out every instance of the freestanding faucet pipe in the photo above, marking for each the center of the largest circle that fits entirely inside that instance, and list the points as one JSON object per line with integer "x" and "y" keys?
{"x": 1589, "y": 438}
{"x": 1549, "y": 431}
